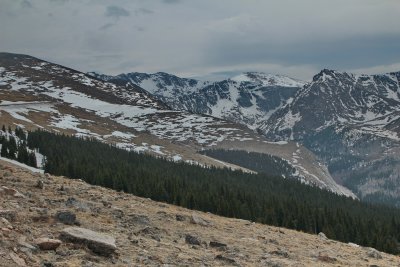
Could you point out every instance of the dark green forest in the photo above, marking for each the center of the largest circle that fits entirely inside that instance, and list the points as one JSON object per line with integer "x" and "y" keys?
{"x": 260, "y": 197}
{"x": 258, "y": 162}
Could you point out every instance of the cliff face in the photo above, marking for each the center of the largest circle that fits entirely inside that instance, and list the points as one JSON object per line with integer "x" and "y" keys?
{"x": 54, "y": 221}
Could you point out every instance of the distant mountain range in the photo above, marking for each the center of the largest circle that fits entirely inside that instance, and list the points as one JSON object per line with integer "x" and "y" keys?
{"x": 351, "y": 122}
{"x": 249, "y": 98}
{"x": 39, "y": 94}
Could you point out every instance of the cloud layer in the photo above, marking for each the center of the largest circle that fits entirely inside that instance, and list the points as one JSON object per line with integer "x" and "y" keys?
{"x": 208, "y": 37}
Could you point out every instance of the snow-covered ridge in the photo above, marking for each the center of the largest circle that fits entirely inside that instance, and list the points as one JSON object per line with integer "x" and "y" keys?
{"x": 248, "y": 99}
{"x": 264, "y": 79}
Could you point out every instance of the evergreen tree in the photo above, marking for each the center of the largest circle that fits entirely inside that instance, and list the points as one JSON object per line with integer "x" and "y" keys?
{"x": 4, "y": 149}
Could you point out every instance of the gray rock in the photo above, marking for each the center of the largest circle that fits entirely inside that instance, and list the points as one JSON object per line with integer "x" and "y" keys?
{"x": 40, "y": 184}
{"x": 216, "y": 244}
{"x": 67, "y": 217}
{"x": 99, "y": 243}
{"x": 154, "y": 232}
{"x": 11, "y": 192}
{"x": 322, "y": 236}
{"x": 136, "y": 219}
{"x": 180, "y": 218}
{"x": 225, "y": 259}
{"x": 200, "y": 221}
{"x": 373, "y": 253}
{"x": 281, "y": 252}
{"x": 192, "y": 240}
{"x": 47, "y": 243}
{"x": 9, "y": 215}
{"x": 73, "y": 202}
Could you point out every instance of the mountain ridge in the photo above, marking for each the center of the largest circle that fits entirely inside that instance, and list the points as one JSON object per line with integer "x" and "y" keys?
{"x": 36, "y": 93}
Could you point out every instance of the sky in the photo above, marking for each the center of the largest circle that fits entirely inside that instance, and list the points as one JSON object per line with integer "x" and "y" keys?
{"x": 211, "y": 39}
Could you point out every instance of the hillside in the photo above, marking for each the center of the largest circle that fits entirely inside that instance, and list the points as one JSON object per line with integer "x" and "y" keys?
{"x": 38, "y": 94}
{"x": 147, "y": 232}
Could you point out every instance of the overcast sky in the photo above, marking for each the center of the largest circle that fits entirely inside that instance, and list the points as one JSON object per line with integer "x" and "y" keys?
{"x": 213, "y": 38}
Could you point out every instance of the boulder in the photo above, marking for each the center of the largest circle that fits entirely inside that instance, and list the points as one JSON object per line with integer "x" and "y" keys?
{"x": 99, "y": 243}
{"x": 322, "y": 236}
{"x": 47, "y": 243}
{"x": 192, "y": 240}
{"x": 200, "y": 221}
{"x": 10, "y": 192}
{"x": 373, "y": 253}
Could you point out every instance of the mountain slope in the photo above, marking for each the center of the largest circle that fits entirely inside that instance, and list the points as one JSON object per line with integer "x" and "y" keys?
{"x": 36, "y": 93}
{"x": 249, "y": 98}
{"x": 152, "y": 233}
{"x": 352, "y": 123}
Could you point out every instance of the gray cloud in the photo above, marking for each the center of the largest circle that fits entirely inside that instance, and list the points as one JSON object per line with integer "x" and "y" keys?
{"x": 59, "y": 1}
{"x": 106, "y": 26}
{"x": 26, "y": 4}
{"x": 116, "y": 12}
{"x": 207, "y": 38}
{"x": 143, "y": 11}
{"x": 171, "y": 1}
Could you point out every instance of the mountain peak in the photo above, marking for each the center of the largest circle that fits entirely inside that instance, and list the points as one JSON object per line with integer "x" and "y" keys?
{"x": 324, "y": 74}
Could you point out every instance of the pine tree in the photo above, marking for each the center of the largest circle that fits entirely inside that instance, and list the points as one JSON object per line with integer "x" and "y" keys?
{"x": 4, "y": 149}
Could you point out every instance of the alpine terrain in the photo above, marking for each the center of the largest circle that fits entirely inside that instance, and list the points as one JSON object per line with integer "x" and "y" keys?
{"x": 249, "y": 98}
{"x": 38, "y": 94}
{"x": 352, "y": 123}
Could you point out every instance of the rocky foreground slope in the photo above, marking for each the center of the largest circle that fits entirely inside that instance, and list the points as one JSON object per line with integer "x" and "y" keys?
{"x": 54, "y": 221}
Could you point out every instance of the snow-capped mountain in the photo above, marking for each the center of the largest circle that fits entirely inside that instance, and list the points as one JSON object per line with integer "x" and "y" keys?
{"x": 249, "y": 98}
{"x": 351, "y": 122}
{"x": 38, "y": 94}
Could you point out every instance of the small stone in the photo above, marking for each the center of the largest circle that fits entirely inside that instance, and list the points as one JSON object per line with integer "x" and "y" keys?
{"x": 216, "y": 244}
{"x": 200, "y": 221}
{"x": 47, "y": 243}
{"x": 281, "y": 252}
{"x": 353, "y": 245}
{"x": 11, "y": 192}
{"x": 225, "y": 259}
{"x": 373, "y": 253}
{"x": 9, "y": 215}
{"x": 17, "y": 259}
{"x": 99, "y": 243}
{"x": 136, "y": 219}
{"x": 326, "y": 258}
{"x": 192, "y": 240}
{"x": 322, "y": 236}
{"x": 180, "y": 218}
{"x": 40, "y": 184}
{"x": 153, "y": 232}
{"x": 66, "y": 217}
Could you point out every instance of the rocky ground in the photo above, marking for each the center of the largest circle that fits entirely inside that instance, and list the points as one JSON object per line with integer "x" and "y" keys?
{"x": 54, "y": 221}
